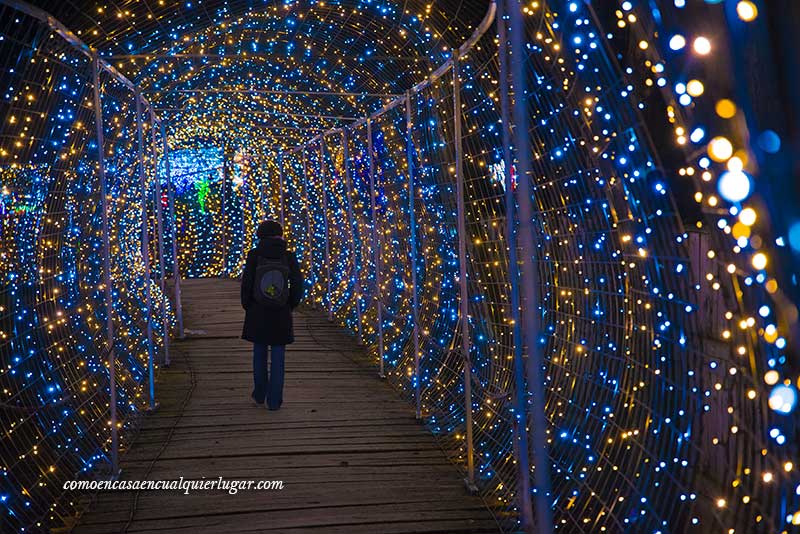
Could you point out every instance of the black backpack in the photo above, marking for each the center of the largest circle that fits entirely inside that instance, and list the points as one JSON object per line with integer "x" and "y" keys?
{"x": 271, "y": 282}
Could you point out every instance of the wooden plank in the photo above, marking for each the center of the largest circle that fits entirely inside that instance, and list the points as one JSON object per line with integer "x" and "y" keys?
{"x": 347, "y": 447}
{"x": 406, "y": 518}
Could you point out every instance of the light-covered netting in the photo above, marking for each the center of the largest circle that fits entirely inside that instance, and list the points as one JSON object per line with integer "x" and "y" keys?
{"x": 665, "y": 324}
{"x": 54, "y": 379}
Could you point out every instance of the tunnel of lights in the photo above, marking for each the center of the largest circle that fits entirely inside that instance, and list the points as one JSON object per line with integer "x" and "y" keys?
{"x": 665, "y": 317}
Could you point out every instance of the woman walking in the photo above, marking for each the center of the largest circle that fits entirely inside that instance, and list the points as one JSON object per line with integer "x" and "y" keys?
{"x": 272, "y": 286}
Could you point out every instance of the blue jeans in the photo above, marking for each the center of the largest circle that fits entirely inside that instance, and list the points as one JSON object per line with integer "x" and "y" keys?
{"x": 268, "y": 384}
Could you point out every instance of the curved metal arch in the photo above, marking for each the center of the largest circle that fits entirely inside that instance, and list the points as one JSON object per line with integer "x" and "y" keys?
{"x": 460, "y": 52}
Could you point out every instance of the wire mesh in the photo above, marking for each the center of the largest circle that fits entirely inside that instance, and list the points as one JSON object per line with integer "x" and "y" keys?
{"x": 340, "y": 232}
{"x": 365, "y": 281}
{"x": 55, "y": 407}
{"x": 626, "y": 307}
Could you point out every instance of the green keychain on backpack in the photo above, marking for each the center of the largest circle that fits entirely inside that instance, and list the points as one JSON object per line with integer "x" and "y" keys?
{"x": 271, "y": 287}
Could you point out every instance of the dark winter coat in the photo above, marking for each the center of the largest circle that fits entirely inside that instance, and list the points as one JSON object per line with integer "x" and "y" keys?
{"x": 264, "y": 325}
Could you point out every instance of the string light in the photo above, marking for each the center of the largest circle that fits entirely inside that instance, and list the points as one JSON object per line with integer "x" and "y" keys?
{"x": 746, "y": 10}
{"x": 734, "y": 186}
{"x": 677, "y": 42}
{"x": 720, "y": 149}
{"x": 702, "y": 46}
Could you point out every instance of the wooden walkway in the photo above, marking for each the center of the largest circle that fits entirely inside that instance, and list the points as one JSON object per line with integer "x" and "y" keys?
{"x": 350, "y": 454}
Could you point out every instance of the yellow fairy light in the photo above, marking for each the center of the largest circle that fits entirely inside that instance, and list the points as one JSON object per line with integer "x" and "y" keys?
{"x": 747, "y": 10}
{"x": 695, "y": 87}
{"x": 725, "y": 108}
{"x": 748, "y": 216}
{"x": 770, "y": 333}
{"x": 771, "y": 377}
{"x": 702, "y": 46}
{"x": 775, "y": 403}
{"x": 735, "y": 164}
{"x": 740, "y": 230}
{"x": 759, "y": 261}
{"x": 720, "y": 149}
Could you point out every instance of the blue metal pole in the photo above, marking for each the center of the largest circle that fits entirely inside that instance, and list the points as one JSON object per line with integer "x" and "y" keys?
{"x": 280, "y": 191}
{"x": 106, "y": 251}
{"x": 462, "y": 263}
{"x": 354, "y": 278}
{"x": 309, "y": 237}
{"x": 530, "y": 276}
{"x": 160, "y": 235}
{"x": 325, "y": 226}
{"x": 376, "y": 252}
{"x": 520, "y": 400}
{"x": 413, "y": 246}
{"x": 176, "y": 271}
{"x": 145, "y": 251}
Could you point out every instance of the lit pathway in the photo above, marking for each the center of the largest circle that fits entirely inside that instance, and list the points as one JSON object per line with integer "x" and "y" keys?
{"x": 347, "y": 447}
